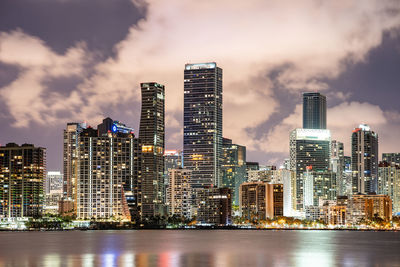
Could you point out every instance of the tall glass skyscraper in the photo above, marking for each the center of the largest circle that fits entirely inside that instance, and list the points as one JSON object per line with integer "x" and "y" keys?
{"x": 310, "y": 149}
{"x": 364, "y": 159}
{"x": 314, "y": 111}
{"x": 202, "y": 120}
{"x": 152, "y": 138}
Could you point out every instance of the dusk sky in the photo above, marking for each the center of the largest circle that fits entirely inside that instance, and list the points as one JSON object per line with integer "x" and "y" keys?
{"x": 81, "y": 60}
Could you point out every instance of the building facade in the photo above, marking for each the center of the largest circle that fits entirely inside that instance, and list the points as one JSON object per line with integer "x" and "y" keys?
{"x": 364, "y": 159}
{"x": 389, "y": 183}
{"x": 70, "y": 164}
{"x": 179, "y": 193}
{"x": 233, "y": 167}
{"x": 108, "y": 172}
{"x": 261, "y": 200}
{"x": 391, "y": 158}
{"x": 202, "y": 123}
{"x": 314, "y": 111}
{"x": 367, "y": 207}
{"x": 22, "y": 176}
{"x": 214, "y": 206}
{"x": 309, "y": 148}
{"x": 152, "y": 138}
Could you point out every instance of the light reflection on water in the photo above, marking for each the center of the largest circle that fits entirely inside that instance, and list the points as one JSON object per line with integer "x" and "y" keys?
{"x": 199, "y": 248}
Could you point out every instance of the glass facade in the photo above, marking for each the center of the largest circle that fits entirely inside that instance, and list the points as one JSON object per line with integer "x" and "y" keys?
{"x": 152, "y": 138}
{"x": 202, "y": 130}
{"x": 314, "y": 111}
{"x": 22, "y": 176}
{"x": 364, "y": 159}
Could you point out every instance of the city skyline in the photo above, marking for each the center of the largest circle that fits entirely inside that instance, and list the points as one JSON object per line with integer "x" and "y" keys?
{"x": 62, "y": 80}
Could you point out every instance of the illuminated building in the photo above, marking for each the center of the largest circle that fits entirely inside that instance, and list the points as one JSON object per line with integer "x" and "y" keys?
{"x": 54, "y": 192}
{"x": 333, "y": 213}
{"x": 314, "y": 111}
{"x": 318, "y": 186}
{"x": 152, "y": 138}
{"x": 233, "y": 167}
{"x": 281, "y": 176}
{"x": 391, "y": 158}
{"x": 173, "y": 159}
{"x": 202, "y": 124}
{"x": 179, "y": 193}
{"x": 364, "y": 159}
{"x": 338, "y": 166}
{"x": 367, "y": 207}
{"x": 54, "y": 182}
{"x": 70, "y": 161}
{"x": 108, "y": 172}
{"x": 214, "y": 206}
{"x": 308, "y": 148}
{"x": 22, "y": 174}
{"x": 389, "y": 182}
{"x": 261, "y": 200}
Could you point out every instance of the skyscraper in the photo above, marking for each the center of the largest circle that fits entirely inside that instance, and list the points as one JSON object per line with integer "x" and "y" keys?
{"x": 233, "y": 167}
{"x": 338, "y": 166}
{"x": 364, "y": 159}
{"x": 108, "y": 170}
{"x": 22, "y": 174}
{"x": 309, "y": 148}
{"x": 152, "y": 138}
{"x": 389, "y": 183}
{"x": 202, "y": 120}
{"x": 314, "y": 111}
{"x": 70, "y": 161}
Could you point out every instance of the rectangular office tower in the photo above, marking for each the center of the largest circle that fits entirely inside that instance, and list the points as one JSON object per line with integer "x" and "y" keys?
{"x": 309, "y": 149}
{"x": 314, "y": 111}
{"x": 108, "y": 160}
{"x": 202, "y": 123}
{"x": 22, "y": 174}
{"x": 152, "y": 138}
{"x": 364, "y": 159}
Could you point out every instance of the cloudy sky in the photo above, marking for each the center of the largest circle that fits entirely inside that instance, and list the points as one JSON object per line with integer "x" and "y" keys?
{"x": 82, "y": 60}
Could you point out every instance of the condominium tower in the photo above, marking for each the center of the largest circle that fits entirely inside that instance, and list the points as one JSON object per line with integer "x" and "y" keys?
{"x": 364, "y": 159}
{"x": 202, "y": 123}
{"x": 152, "y": 138}
{"x": 22, "y": 174}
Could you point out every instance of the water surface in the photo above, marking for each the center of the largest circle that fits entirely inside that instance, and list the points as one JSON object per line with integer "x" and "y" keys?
{"x": 200, "y": 248}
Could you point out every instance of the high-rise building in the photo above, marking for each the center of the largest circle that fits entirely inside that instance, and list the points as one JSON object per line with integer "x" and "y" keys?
{"x": 202, "y": 123}
{"x": 22, "y": 175}
{"x": 261, "y": 200}
{"x": 108, "y": 172}
{"x": 309, "y": 148}
{"x": 179, "y": 193}
{"x": 364, "y": 159}
{"x": 152, "y": 138}
{"x": 233, "y": 167}
{"x": 338, "y": 166}
{"x": 367, "y": 207}
{"x": 319, "y": 186}
{"x": 70, "y": 161}
{"x": 314, "y": 111}
{"x": 391, "y": 158}
{"x": 389, "y": 183}
{"x": 214, "y": 206}
{"x": 173, "y": 159}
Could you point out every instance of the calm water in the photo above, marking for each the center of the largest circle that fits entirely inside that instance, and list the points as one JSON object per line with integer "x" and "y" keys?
{"x": 200, "y": 248}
